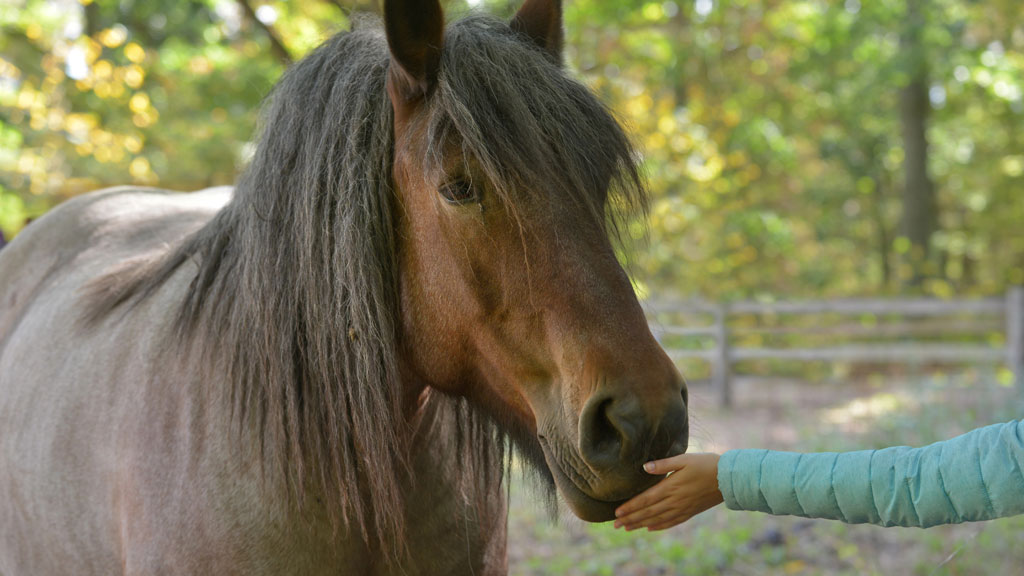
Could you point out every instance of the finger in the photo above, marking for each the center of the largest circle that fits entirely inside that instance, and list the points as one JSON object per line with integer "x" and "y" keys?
{"x": 664, "y": 517}
{"x": 646, "y": 498}
{"x": 671, "y": 518}
{"x": 636, "y": 503}
{"x": 638, "y": 518}
{"x": 684, "y": 514}
{"x": 670, "y": 523}
{"x": 644, "y": 516}
{"x": 665, "y": 465}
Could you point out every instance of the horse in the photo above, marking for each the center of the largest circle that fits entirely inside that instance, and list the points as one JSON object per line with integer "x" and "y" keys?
{"x": 329, "y": 367}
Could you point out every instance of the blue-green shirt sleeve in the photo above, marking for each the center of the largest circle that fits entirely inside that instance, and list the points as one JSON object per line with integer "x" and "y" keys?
{"x": 976, "y": 476}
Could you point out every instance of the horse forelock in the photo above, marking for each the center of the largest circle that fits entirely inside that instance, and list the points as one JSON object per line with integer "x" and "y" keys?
{"x": 295, "y": 304}
{"x": 537, "y": 133}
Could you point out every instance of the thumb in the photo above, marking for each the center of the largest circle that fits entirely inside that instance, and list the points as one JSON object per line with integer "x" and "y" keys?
{"x": 665, "y": 465}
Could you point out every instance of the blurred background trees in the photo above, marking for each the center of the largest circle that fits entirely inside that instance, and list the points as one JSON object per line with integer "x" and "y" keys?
{"x": 794, "y": 147}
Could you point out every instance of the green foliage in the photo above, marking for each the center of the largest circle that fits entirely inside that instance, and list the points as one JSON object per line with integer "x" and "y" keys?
{"x": 773, "y": 140}
{"x": 12, "y": 213}
{"x": 770, "y": 130}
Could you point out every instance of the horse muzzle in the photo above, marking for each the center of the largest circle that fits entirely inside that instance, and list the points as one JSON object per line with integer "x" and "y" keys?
{"x": 619, "y": 428}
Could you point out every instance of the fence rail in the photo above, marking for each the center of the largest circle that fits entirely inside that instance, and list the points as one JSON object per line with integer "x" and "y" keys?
{"x": 927, "y": 318}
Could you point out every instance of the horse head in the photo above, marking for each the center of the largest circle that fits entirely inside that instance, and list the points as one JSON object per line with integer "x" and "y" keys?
{"x": 505, "y": 171}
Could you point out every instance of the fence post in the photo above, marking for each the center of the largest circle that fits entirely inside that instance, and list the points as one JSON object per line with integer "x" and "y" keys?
{"x": 1015, "y": 333}
{"x": 721, "y": 368}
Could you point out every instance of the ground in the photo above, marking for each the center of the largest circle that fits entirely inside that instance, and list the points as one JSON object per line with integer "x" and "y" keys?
{"x": 869, "y": 413}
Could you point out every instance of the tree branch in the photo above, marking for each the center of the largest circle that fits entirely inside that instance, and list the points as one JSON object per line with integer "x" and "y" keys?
{"x": 276, "y": 46}
{"x": 347, "y": 8}
{"x": 339, "y": 5}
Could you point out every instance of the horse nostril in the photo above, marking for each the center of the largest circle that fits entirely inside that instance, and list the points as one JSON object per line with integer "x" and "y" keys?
{"x": 618, "y": 431}
{"x": 673, "y": 431}
{"x": 609, "y": 427}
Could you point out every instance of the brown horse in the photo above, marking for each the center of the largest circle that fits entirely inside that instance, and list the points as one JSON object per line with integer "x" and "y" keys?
{"x": 323, "y": 371}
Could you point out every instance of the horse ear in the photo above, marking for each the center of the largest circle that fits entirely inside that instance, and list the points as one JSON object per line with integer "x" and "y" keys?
{"x": 541, "y": 20}
{"x": 415, "y": 31}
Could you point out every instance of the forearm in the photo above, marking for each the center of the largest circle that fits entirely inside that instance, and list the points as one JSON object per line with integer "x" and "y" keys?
{"x": 976, "y": 476}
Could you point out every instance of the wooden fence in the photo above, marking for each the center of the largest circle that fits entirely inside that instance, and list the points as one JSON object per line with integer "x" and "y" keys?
{"x": 910, "y": 326}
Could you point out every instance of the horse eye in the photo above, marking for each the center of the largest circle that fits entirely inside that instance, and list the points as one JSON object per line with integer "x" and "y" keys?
{"x": 459, "y": 192}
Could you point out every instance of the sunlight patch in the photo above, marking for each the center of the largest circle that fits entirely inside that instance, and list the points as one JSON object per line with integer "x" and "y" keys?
{"x": 870, "y": 408}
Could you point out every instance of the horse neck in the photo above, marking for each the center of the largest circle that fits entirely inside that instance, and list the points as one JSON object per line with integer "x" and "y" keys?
{"x": 452, "y": 501}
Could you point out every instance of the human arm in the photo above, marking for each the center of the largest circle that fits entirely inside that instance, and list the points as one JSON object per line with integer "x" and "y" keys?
{"x": 975, "y": 476}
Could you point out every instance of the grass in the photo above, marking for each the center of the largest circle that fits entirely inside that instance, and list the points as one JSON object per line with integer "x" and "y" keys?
{"x": 836, "y": 416}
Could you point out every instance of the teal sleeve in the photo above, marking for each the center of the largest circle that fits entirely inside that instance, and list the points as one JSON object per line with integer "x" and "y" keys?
{"x": 976, "y": 476}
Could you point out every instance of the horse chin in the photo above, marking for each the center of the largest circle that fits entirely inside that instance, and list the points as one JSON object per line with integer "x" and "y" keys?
{"x": 583, "y": 504}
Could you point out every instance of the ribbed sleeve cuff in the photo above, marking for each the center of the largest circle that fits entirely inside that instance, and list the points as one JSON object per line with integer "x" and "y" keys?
{"x": 739, "y": 477}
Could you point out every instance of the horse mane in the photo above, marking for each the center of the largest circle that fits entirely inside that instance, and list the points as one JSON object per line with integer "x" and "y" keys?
{"x": 295, "y": 302}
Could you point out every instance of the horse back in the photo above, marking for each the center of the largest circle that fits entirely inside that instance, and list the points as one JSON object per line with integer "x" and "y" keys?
{"x": 92, "y": 235}
{"x": 71, "y": 397}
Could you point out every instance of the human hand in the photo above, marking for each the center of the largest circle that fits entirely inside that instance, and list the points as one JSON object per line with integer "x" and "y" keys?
{"x": 690, "y": 488}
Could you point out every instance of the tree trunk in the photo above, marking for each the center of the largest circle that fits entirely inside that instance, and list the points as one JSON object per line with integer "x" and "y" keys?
{"x": 881, "y": 229}
{"x": 92, "y": 19}
{"x": 276, "y": 45}
{"x": 919, "y": 208}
